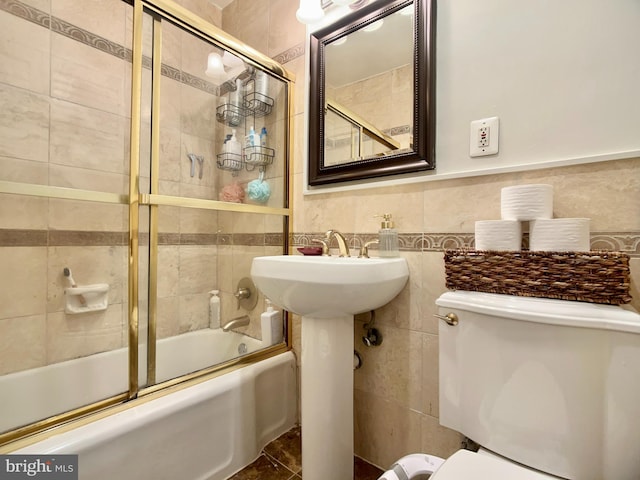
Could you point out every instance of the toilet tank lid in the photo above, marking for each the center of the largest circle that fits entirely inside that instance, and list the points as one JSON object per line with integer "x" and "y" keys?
{"x": 544, "y": 310}
{"x": 466, "y": 465}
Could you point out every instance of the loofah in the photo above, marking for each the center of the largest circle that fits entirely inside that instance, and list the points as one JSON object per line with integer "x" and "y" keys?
{"x": 259, "y": 190}
{"x": 232, "y": 193}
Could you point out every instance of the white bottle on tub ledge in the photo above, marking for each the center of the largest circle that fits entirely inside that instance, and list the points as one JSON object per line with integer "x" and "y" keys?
{"x": 214, "y": 309}
{"x": 271, "y": 325}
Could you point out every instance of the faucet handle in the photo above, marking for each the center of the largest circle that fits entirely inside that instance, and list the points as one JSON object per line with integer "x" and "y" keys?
{"x": 364, "y": 251}
{"x": 325, "y": 246}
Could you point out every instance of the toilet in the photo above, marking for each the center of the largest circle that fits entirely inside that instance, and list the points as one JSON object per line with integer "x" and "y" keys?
{"x": 549, "y": 389}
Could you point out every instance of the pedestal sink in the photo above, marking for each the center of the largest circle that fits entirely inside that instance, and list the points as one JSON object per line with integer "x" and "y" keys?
{"x": 327, "y": 292}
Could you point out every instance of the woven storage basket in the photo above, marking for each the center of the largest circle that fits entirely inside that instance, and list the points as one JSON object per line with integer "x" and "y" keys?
{"x": 596, "y": 277}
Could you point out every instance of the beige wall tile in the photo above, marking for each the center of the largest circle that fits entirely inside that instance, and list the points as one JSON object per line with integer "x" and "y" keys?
{"x": 430, "y": 378}
{"x": 84, "y": 179}
{"x": 87, "y": 76}
{"x": 87, "y": 216}
{"x": 87, "y": 138}
{"x": 23, "y": 287}
{"x": 384, "y": 431}
{"x": 24, "y": 54}
{"x": 22, "y": 343}
{"x": 168, "y": 321}
{"x": 19, "y": 211}
{"x": 197, "y": 115}
{"x": 606, "y": 192}
{"x": 392, "y": 370}
{"x": 170, "y": 103}
{"x": 284, "y": 29}
{"x": 171, "y": 158}
{"x": 194, "y": 312}
{"x": 168, "y": 270}
{"x": 105, "y": 18}
{"x": 439, "y": 440}
{"x": 249, "y": 21}
{"x": 198, "y": 269}
{"x": 74, "y": 336}
{"x": 24, "y": 171}
{"x": 404, "y": 203}
{"x": 44, "y": 5}
{"x": 432, "y": 288}
{"x": 24, "y": 124}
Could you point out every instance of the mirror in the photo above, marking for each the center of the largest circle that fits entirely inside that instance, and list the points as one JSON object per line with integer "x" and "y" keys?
{"x": 372, "y": 93}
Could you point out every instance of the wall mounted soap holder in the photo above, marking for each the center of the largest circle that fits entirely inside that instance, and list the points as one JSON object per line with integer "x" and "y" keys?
{"x": 86, "y": 298}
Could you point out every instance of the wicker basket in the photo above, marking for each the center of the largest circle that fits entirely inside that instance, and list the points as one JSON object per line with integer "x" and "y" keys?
{"x": 596, "y": 277}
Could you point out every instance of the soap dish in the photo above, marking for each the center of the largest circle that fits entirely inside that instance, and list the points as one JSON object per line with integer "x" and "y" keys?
{"x": 310, "y": 250}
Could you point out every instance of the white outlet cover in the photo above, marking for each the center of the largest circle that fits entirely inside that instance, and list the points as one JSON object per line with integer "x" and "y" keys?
{"x": 493, "y": 125}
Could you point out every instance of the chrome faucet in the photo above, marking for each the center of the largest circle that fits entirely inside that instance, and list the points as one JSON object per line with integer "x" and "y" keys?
{"x": 342, "y": 242}
{"x": 236, "y": 322}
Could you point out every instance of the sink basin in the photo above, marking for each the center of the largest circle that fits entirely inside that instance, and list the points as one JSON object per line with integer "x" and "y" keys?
{"x": 327, "y": 292}
{"x": 323, "y": 287}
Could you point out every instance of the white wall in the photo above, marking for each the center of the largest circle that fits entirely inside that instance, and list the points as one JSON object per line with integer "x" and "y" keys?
{"x": 562, "y": 75}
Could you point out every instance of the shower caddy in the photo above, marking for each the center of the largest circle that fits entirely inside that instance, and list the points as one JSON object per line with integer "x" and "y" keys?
{"x": 254, "y": 105}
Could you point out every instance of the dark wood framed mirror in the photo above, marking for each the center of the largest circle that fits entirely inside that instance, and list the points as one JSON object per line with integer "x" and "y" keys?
{"x": 372, "y": 93}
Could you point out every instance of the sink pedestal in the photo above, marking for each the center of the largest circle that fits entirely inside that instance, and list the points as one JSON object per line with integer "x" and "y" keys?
{"x": 327, "y": 292}
{"x": 327, "y": 398}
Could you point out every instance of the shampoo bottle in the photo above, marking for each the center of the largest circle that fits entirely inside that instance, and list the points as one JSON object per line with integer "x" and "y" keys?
{"x": 214, "y": 309}
{"x": 253, "y": 139}
{"x": 233, "y": 145}
{"x": 263, "y": 137}
{"x": 271, "y": 325}
{"x": 388, "y": 237}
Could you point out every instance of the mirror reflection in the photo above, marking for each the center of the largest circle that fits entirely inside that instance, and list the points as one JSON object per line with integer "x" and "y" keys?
{"x": 368, "y": 81}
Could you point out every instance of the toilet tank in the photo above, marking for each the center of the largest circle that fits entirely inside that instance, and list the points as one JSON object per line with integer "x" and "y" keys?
{"x": 551, "y": 384}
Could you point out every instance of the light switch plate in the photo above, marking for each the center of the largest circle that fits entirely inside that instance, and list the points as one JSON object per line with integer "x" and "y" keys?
{"x": 484, "y": 137}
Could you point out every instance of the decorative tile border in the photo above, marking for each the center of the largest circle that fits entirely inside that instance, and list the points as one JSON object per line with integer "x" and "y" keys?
{"x": 90, "y": 39}
{"x": 626, "y": 242}
{"x": 76, "y": 238}
{"x": 290, "y": 54}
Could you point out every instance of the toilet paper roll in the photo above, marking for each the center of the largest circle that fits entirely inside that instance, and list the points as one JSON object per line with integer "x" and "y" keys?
{"x": 559, "y": 235}
{"x": 498, "y": 235}
{"x": 526, "y": 202}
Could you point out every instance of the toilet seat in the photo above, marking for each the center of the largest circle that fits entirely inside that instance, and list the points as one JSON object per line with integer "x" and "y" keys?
{"x": 465, "y": 464}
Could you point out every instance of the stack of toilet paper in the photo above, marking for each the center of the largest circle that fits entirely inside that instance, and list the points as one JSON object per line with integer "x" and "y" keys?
{"x": 533, "y": 204}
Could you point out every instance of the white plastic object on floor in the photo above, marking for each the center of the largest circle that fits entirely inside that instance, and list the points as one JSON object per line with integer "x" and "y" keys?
{"x": 412, "y": 466}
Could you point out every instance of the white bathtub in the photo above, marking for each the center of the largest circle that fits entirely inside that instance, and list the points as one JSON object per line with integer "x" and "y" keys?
{"x": 31, "y": 395}
{"x": 207, "y": 431}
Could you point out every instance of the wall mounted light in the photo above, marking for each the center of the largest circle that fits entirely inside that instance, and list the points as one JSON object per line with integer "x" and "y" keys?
{"x": 309, "y": 11}
{"x": 215, "y": 68}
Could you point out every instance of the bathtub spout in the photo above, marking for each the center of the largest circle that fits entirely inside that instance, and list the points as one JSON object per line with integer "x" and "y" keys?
{"x": 236, "y": 322}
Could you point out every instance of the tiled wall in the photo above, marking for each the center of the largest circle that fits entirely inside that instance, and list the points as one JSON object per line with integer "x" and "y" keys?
{"x": 396, "y": 390}
{"x": 64, "y": 84}
{"x": 65, "y": 88}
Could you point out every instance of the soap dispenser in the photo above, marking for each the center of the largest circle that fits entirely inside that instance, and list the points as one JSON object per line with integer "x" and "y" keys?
{"x": 388, "y": 238}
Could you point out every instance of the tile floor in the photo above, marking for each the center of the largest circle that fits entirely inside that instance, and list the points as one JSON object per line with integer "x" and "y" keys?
{"x": 282, "y": 460}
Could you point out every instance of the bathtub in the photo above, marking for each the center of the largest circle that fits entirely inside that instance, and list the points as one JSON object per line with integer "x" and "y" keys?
{"x": 39, "y": 393}
{"x": 207, "y": 431}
